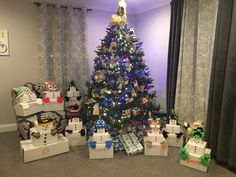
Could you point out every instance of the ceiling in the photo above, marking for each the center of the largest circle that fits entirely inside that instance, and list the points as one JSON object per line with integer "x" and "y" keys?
{"x": 133, "y": 6}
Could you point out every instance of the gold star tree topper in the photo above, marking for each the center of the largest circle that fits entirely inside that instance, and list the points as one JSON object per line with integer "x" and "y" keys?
{"x": 120, "y": 18}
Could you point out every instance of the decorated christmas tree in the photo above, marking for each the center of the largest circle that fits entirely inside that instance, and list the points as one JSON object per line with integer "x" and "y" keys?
{"x": 120, "y": 90}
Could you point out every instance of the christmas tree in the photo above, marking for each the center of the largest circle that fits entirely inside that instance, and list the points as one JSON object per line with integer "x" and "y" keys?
{"x": 121, "y": 89}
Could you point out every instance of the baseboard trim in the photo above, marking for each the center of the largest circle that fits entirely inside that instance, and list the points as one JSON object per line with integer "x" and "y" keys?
{"x": 8, "y": 128}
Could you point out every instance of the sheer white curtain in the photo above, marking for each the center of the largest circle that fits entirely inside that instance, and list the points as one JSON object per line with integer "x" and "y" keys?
{"x": 63, "y": 45}
{"x": 196, "y": 49}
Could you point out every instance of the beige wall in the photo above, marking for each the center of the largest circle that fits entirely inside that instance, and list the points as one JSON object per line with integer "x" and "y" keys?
{"x": 19, "y": 18}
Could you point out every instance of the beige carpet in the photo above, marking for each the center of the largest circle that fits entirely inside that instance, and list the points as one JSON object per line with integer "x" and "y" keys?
{"x": 76, "y": 164}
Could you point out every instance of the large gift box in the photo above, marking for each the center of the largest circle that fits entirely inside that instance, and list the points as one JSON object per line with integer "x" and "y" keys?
{"x": 100, "y": 144}
{"x": 195, "y": 154}
{"x": 26, "y": 109}
{"x": 31, "y": 152}
{"x": 131, "y": 144}
{"x": 26, "y": 102}
{"x": 75, "y": 132}
{"x": 174, "y": 140}
{"x": 155, "y": 144}
{"x": 24, "y": 124}
{"x": 172, "y": 133}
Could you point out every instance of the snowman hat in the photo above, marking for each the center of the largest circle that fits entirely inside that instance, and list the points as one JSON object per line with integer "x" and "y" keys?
{"x": 100, "y": 123}
{"x": 21, "y": 90}
{"x": 72, "y": 84}
{"x": 173, "y": 116}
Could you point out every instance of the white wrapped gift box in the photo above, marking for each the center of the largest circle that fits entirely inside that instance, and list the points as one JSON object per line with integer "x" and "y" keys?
{"x": 172, "y": 128}
{"x": 196, "y": 148}
{"x": 45, "y": 138}
{"x": 154, "y": 148}
{"x": 173, "y": 141}
{"x": 155, "y": 137}
{"x": 75, "y": 139}
{"x": 101, "y": 137}
{"x": 72, "y": 92}
{"x": 74, "y": 125}
{"x": 26, "y": 109}
{"x": 101, "y": 152}
{"x": 194, "y": 161}
{"x": 53, "y": 106}
{"x": 155, "y": 144}
{"x": 31, "y": 153}
{"x": 52, "y": 95}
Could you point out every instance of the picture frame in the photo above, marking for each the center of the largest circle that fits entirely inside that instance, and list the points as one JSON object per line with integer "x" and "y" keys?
{"x": 4, "y": 44}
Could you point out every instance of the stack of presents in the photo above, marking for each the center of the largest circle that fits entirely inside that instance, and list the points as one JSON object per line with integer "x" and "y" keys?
{"x": 49, "y": 124}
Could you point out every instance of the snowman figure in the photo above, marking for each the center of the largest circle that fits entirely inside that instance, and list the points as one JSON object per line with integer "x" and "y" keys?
{"x": 154, "y": 135}
{"x": 51, "y": 93}
{"x": 101, "y": 138}
{"x": 75, "y": 125}
{"x": 154, "y": 142}
{"x": 43, "y": 132}
{"x": 72, "y": 92}
{"x": 172, "y": 128}
{"x": 25, "y": 97}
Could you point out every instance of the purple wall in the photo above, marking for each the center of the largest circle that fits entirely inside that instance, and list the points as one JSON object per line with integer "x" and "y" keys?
{"x": 152, "y": 27}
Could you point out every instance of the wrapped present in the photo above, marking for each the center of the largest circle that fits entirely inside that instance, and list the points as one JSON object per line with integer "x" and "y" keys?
{"x": 195, "y": 154}
{"x": 172, "y": 131}
{"x": 131, "y": 144}
{"x": 25, "y": 123}
{"x": 174, "y": 140}
{"x": 154, "y": 142}
{"x": 73, "y": 96}
{"x": 100, "y": 144}
{"x": 31, "y": 152}
{"x": 26, "y": 102}
{"x": 75, "y": 132}
{"x": 43, "y": 132}
{"x": 72, "y": 91}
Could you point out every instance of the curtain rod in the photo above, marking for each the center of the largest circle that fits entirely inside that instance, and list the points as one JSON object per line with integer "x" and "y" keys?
{"x": 63, "y": 6}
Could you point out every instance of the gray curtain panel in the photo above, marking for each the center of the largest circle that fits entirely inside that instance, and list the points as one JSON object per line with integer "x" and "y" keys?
{"x": 63, "y": 45}
{"x": 197, "y": 36}
{"x": 221, "y": 125}
{"x": 173, "y": 53}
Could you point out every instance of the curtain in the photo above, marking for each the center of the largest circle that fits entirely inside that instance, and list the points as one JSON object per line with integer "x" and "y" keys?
{"x": 173, "y": 52}
{"x": 221, "y": 125}
{"x": 63, "y": 45}
{"x": 197, "y": 36}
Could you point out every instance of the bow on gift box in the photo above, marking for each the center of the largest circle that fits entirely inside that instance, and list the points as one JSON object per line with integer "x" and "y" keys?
{"x": 205, "y": 160}
{"x": 183, "y": 154}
